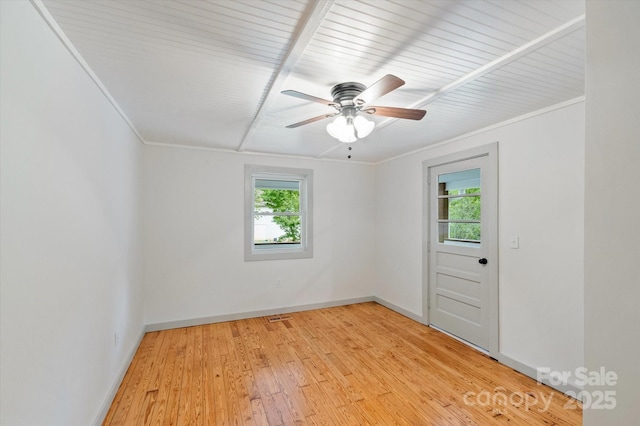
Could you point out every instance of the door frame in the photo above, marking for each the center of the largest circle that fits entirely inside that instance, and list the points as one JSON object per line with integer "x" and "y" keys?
{"x": 491, "y": 179}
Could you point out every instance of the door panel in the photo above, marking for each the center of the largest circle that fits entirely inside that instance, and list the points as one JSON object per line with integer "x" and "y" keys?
{"x": 471, "y": 314}
{"x": 468, "y": 289}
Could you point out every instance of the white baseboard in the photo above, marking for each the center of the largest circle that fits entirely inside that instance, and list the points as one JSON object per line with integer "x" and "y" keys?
{"x": 568, "y": 389}
{"x": 254, "y": 314}
{"x": 108, "y": 400}
{"x": 399, "y": 310}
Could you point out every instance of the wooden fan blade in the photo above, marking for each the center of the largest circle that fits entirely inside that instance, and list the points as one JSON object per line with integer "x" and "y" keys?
{"x": 311, "y": 120}
{"x": 411, "y": 114}
{"x": 306, "y": 97}
{"x": 380, "y": 88}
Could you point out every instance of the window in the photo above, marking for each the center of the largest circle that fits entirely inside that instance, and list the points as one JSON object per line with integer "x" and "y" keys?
{"x": 459, "y": 207}
{"x": 278, "y": 213}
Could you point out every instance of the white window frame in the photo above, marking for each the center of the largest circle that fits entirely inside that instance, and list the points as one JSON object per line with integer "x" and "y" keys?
{"x": 305, "y": 248}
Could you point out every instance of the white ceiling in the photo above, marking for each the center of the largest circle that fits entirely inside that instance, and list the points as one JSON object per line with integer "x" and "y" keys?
{"x": 209, "y": 73}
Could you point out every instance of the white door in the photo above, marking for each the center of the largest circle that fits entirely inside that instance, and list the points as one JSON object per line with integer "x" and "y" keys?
{"x": 462, "y": 250}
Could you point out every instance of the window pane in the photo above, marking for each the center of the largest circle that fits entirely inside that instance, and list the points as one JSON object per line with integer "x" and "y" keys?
{"x": 273, "y": 199}
{"x": 459, "y": 200}
{"x": 276, "y": 230}
{"x": 467, "y": 232}
{"x": 453, "y": 183}
{"x": 459, "y": 208}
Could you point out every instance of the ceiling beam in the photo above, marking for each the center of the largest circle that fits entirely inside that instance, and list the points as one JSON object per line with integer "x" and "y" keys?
{"x": 311, "y": 20}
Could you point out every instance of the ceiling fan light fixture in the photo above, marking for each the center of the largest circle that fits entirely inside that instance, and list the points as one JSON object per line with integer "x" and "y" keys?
{"x": 348, "y": 129}
{"x": 363, "y": 126}
{"x": 342, "y": 128}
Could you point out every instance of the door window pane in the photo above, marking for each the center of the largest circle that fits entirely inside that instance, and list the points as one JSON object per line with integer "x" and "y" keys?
{"x": 459, "y": 207}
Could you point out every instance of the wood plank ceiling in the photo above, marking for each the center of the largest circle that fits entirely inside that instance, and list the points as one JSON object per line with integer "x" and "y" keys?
{"x": 209, "y": 73}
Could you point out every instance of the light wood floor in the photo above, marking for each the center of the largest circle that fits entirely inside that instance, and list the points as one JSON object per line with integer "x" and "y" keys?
{"x": 351, "y": 365}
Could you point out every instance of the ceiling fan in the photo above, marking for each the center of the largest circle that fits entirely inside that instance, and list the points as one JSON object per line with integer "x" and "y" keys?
{"x": 351, "y": 100}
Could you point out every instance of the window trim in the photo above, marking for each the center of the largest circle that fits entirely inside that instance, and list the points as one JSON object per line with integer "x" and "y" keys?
{"x": 305, "y": 177}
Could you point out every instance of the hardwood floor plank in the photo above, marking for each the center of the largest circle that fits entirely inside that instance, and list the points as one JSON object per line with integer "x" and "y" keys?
{"x": 171, "y": 412}
{"x": 148, "y": 379}
{"x": 185, "y": 404}
{"x": 127, "y": 384}
{"x": 221, "y": 407}
{"x": 147, "y": 406}
{"x": 126, "y": 392}
{"x": 250, "y": 384}
{"x": 298, "y": 372}
{"x": 197, "y": 388}
{"x": 321, "y": 406}
{"x": 209, "y": 362}
{"x": 259, "y": 414}
{"x": 156, "y": 417}
{"x": 354, "y": 365}
{"x": 237, "y": 374}
{"x": 276, "y": 410}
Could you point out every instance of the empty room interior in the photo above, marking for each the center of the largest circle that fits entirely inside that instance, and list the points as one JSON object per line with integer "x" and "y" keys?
{"x": 319, "y": 212}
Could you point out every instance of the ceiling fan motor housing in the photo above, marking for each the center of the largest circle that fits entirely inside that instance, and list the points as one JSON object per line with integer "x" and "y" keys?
{"x": 345, "y": 93}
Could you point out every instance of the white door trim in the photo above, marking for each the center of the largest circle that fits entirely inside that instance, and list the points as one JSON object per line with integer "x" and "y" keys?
{"x": 491, "y": 151}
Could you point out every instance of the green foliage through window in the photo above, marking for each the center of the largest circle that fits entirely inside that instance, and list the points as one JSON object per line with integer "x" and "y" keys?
{"x": 464, "y": 208}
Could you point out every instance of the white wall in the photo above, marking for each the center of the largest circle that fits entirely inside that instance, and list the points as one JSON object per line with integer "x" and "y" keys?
{"x": 541, "y": 167}
{"x": 69, "y": 215}
{"x": 70, "y": 261}
{"x": 194, "y": 245}
{"x": 612, "y": 207}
